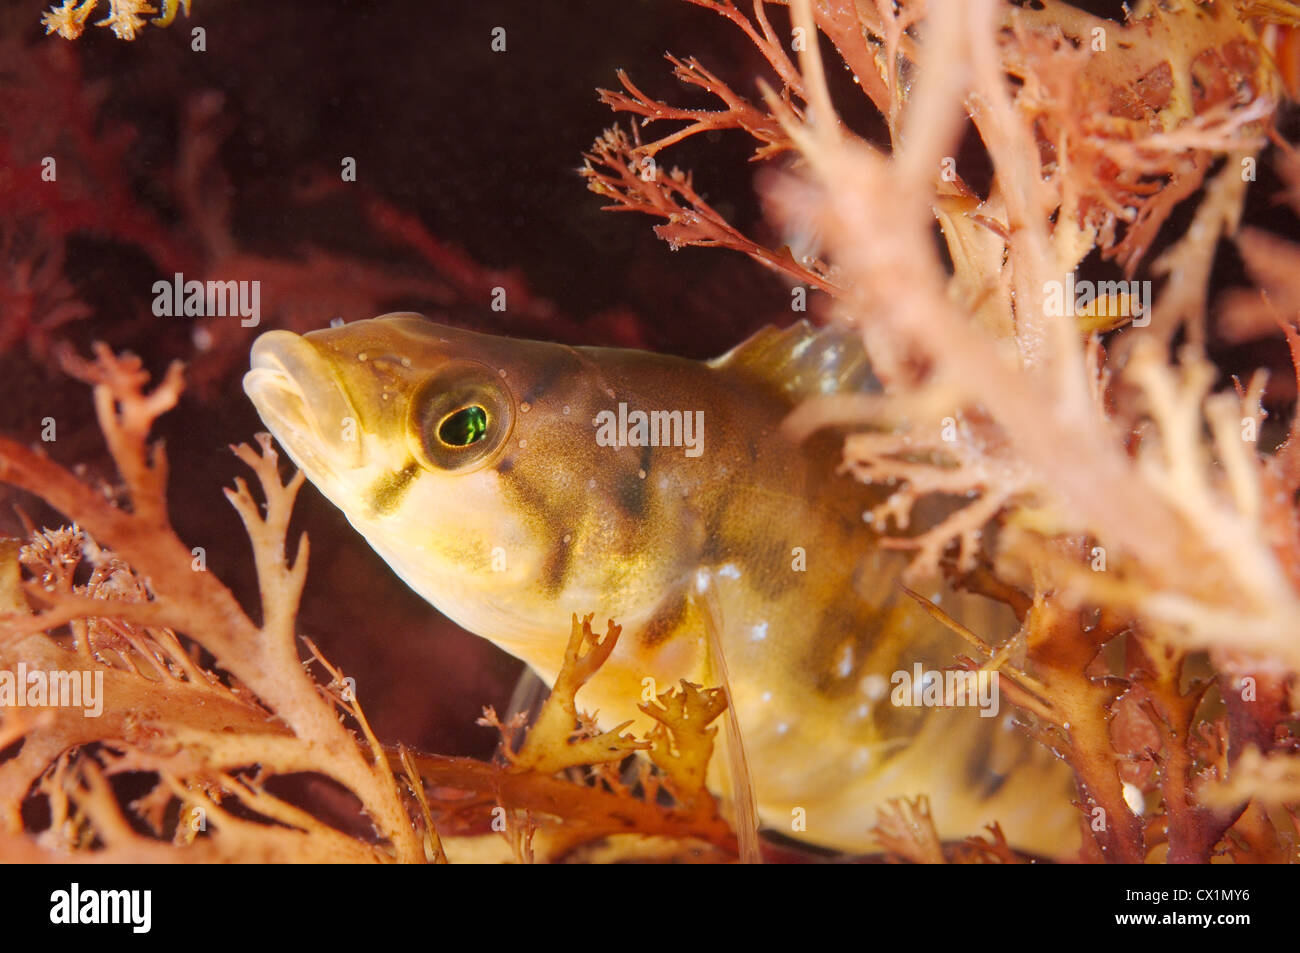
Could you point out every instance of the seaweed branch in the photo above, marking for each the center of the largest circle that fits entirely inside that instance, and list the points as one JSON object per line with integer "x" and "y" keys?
{"x": 1139, "y": 523}
{"x": 220, "y": 711}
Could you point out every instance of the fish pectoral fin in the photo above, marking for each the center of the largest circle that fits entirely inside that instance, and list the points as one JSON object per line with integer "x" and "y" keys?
{"x": 736, "y": 782}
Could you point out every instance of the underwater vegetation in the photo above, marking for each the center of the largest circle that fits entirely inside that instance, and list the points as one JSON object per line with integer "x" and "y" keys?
{"x": 1059, "y": 238}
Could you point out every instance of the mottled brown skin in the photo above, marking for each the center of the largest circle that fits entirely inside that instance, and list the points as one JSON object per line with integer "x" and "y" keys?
{"x": 756, "y": 539}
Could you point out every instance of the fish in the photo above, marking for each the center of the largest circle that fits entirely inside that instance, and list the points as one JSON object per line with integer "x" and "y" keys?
{"x": 514, "y": 484}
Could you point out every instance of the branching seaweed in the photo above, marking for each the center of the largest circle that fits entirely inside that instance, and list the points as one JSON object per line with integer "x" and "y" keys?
{"x": 218, "y": 712}
{"x": 126, "y": 18}
{"x": 1143, "y": 528}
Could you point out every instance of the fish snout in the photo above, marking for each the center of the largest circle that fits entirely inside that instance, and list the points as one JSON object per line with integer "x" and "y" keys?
{"x": 302, "y": 401}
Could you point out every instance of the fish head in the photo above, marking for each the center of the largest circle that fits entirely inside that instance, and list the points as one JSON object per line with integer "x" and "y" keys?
{"x": 407, "y": 426}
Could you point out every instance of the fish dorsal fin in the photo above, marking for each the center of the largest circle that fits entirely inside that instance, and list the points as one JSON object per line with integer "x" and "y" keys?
{"x": 803, "y": 361}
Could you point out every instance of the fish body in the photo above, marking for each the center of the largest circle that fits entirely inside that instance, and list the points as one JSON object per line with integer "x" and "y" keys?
{"x": 514, "y": 483}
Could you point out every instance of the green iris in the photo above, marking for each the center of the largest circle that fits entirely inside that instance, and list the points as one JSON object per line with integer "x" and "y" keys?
{"x": 465, "y": 426}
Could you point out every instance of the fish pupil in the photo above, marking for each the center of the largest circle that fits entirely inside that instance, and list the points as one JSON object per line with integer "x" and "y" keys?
{"x": 463, "y": 427}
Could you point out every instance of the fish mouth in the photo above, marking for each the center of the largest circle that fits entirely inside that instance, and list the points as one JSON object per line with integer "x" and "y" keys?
{"x": 301, "y": 400}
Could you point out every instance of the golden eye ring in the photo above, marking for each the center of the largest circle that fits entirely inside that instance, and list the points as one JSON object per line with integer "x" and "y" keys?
{"x": 460, "y": 418}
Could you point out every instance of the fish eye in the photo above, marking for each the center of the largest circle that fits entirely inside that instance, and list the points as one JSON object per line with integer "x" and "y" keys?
{"x": 465, "y": 426}
{"x": 460, "y": 417}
